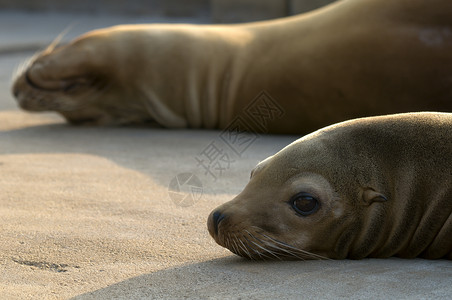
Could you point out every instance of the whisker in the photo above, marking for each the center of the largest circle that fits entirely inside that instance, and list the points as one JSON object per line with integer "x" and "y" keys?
{"x": 256, "y": 244}
{"x": 243, "y": 247}
{"x": 235, "y": 247}
{"x": 58, "y": 39}
{"x": 290, "y": 253}
{"x": 226, "y": 241}
{"x": 261, "y": 255}
{"x": 313, "y": 255}
{"x": 290, "y": 248}
{"x": 265, "y": 249}
{"x": 309, "y": 254}
{"x": 22, "y": 67}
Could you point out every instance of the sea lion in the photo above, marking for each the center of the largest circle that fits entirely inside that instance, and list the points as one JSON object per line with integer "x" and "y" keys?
{"x": 369, "y": 187}
{"x": 350, "y": 59}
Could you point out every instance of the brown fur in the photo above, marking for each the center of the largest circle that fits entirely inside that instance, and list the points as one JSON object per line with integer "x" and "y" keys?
{"x": 350, "y": 59}
{"x": 384, "y": 185}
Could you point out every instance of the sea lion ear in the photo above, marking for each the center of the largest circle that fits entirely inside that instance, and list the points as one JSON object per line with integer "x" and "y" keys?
{"x": 370, "y": 196}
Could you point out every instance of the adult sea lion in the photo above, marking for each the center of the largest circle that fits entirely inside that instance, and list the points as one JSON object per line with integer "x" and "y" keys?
{"x": 370, "y": 187}
{"x": 350, "y": 59}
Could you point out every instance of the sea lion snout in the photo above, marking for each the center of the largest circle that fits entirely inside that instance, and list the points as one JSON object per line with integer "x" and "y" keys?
{"x": 213, "y": 221}
{"x": 274, "y": 218}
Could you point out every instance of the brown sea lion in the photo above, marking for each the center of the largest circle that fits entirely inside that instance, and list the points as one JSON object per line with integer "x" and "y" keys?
{"x": 370, "y": 187}
{"x": 350, "y": 59}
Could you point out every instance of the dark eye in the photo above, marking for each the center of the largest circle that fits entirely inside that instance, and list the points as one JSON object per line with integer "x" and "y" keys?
{"x": 304, "y": 204}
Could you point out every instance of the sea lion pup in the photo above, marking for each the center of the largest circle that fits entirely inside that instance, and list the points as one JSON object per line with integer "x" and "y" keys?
{"x": 350, "y": 59}
{"x": 370, "y": 187}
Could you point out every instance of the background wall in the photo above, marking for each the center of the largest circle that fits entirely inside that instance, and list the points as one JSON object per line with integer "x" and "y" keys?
{"x": 218, "y": 11}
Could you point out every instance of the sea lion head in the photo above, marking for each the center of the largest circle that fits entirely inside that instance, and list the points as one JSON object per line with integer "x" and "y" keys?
{"x": 308, "y": 201}
{"x": 86, "y": 81}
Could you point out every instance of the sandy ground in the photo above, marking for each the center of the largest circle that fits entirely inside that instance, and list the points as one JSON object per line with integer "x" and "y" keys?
{"x": 90, "y": 213}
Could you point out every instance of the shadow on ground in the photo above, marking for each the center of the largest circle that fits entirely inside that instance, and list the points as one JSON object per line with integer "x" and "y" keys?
{"x": 158, "y": 153}
{"x": 229, "y": 277}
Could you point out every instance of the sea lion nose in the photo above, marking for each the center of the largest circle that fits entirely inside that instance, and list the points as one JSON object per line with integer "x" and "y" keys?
{"x": 214, "y": 220}
{"x": 217, "y": 217}
{"x": 16, "y": 93}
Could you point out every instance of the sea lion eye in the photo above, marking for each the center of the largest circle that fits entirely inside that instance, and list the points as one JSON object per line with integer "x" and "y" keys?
{"x": 304, "y": 204}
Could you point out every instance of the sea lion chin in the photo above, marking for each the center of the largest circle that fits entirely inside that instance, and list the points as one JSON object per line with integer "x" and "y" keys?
{"x": 370, "y": 187}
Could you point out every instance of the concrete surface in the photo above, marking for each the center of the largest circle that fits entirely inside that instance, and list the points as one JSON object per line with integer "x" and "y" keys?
{"x": 85, "y": 213}
{"x": 219, "y": 11}
{"x": 301, "y": 6}
{"x": 167, "y": 8}
{"x": 30, "y": 32}
{"x": 235, "y": 11}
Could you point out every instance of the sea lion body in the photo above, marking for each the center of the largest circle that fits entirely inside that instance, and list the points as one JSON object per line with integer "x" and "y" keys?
{"x": 350, "y": 59}
{"x": 370, "y": 187}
